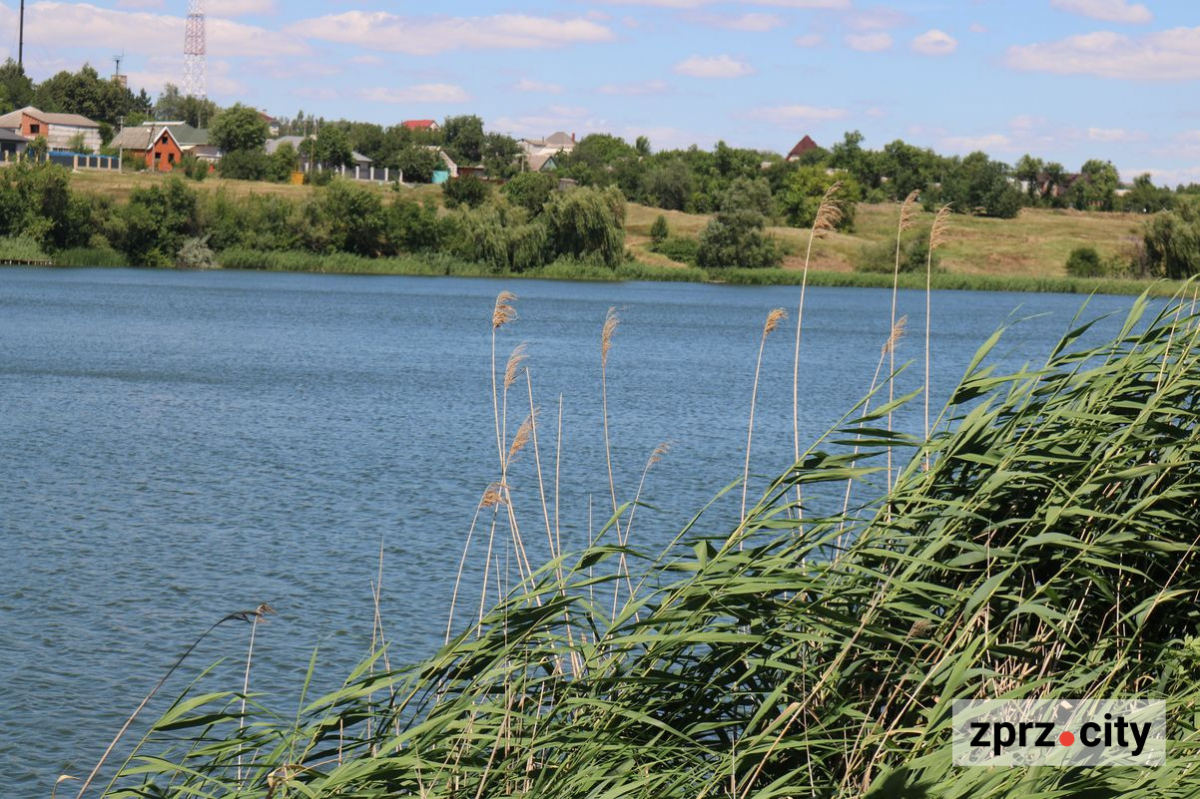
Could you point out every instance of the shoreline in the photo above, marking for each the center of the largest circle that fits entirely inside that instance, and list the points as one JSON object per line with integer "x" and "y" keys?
{"x": 435, "y": 265}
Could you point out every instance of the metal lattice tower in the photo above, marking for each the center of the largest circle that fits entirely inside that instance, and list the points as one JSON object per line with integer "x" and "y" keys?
{"x": 195, "y": 81}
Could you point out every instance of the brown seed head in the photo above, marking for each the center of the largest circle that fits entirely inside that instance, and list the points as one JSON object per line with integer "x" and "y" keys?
{"x": 504, "y": 312}
{"x": 937, "y": 236}
{"x": 829, "y": 213}
{"x": 514, "y": 365}
{"x": 773, "y": 319}
{"x": 897, "y": 334}
{"x": 610, "y": 328}
{"x": 524, "y": 432}
{"x": 659, "y": 453}
{"x": 908, "y": 209}
{"x": 492, "y": 496}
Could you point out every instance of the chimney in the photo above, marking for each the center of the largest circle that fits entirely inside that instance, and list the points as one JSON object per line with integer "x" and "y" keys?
{"x": 572, "y": 138}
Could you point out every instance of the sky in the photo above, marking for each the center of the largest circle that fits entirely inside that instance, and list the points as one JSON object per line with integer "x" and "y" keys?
{"x": 1066, "y": 80}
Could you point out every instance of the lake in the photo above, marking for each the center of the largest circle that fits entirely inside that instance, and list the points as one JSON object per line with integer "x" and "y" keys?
{"x": 179, "y": 445}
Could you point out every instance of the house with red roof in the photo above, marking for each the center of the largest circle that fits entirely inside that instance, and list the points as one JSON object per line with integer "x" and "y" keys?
{"x": 803, "y": 146}
{"x": 422, "y": 125}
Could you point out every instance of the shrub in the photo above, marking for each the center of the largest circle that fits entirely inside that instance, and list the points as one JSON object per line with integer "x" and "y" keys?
{"x": 530, "y": 190}
{"x": 881, "y": 258}
{"x": 355, "y": 217}
{"x": 1085, "y": 262}
{"x": 154, "y": 223}
{"x": 195, "y": 254}
{"x": 244, "y": 165}
{"x": 736, "y": 236}
{"x": 413, "y": 227}
{"x": 659, "y": 231}
{"x": 467, "y": 191}
{"x": 683, "y": 250}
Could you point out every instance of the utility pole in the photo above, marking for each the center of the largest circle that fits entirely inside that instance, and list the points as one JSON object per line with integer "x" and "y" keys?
{"x": 21, "y": 40}
{"x": 194, "y": 50}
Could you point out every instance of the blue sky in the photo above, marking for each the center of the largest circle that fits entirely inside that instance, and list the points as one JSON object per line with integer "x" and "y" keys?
{"x": 1064, "y": 79}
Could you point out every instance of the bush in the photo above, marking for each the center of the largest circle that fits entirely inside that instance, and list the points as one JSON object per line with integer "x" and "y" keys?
{"x": 881, "y": 258}
{"x": 683, "y": 250}
{"x": 659, "y": 231}
{"x": 530, "y": 190}
{"x": 151, "y": 228}
{"x": 467, "y": 191}
{"x": 736, "y": 236}
{"x": 413, "y": 227}
{"x": 1085, "y": 262}
{"x": 195, "y": 254}
{"x": 355, "y": 218}
{"x": 244, "y": 165}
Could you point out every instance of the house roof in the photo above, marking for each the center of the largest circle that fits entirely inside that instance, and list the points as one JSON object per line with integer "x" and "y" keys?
{"x": 418, "y": 124}
{"x": 273, "y": 144}
{"x": 11, "y": 135}
{"x": 13, "y": 118}
{"x": 560, "y": 139}
{"x": 802, "y": 147}
{"x": 540, "y": 162}
{"x": 142, "y": 136}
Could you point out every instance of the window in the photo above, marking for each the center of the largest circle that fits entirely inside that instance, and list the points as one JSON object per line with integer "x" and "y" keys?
{"x": 170, "y": 158}
{"x": 34, "y": 129}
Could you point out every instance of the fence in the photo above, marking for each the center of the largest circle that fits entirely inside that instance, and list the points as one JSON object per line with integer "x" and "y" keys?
{"x": 84, "y": 160}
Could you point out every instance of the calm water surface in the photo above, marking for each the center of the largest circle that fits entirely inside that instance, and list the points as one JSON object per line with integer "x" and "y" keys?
{"x": 175, "y": 446}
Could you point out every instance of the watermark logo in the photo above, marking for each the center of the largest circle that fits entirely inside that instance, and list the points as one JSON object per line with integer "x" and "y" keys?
{"x": 1060, "y": 732}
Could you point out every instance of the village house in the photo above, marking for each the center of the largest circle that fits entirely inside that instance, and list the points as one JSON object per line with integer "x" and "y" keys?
{"x": 272, "y": 123}
{"x": 12, "y": 144}
{"x": 803, "y": 146}
{"x": 357, "y": 159}
{"x": 541, "y": 154}
{"x": 63, "y": 132}
{"x": 421, "y": 125}
{"x": 162, "y": 145}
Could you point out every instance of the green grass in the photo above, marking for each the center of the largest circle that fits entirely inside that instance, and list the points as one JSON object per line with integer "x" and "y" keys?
{"x": 22, "y": 250}
{"x": 90, "y": 256}
{"x": 1040, "y": 543}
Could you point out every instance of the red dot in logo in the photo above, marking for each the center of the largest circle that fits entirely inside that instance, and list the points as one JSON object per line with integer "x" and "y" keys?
{"x": 1066, "y": 738}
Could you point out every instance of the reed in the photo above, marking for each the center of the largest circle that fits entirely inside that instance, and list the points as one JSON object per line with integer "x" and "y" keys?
{"x": 773, "y": 319}
{"x": 1047, "y": 550}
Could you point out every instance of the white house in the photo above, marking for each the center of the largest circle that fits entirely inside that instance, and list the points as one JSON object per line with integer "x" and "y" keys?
{"x": 61, "y": 131}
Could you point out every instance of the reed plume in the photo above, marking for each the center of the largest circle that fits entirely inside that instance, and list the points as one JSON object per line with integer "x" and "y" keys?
{"x": 937, "y": 237}
{"x": 829, "y": 214}
{"x": 906, "y": 222}
{"x": 611, "y": 321}
{"x": 773, "y": 319}
{"x": 260, "y": 613}
{"x": 504, "y": 312}
{"x": 513, "y": 366}
{"x": 524, "y": 433}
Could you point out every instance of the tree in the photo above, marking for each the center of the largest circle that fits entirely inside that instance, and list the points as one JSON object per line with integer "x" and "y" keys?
{"x": 416, "y": 163}
{"x": 330, "y": 148}
{"x": 660, "y": 231}
{"x": 801, "y": 196}
{"x": 587, "y": 224}
{"x": 501, "y": 156}
{"x": 642, "y": 145}
{"x": 355, "y": 216}
{"x": 173, "y": 106}
{"x": 1146, "y": 198}
{"x": 467, "y": 191}
{"x": 464, "y": 139}
{"x": 668, "y": 185}
{"x": 283, "y": 162}
{"x": 736, "y": 235}
{"x": 1085, "y": 262}
{"x": 245, "y": 165}
{"x": 1097, "y": 188}
{"x": 1029, "y": 169}
{"x": 1172, "y": 242}
{"x": 16, "y": 88}
{"x": 85, "y": 92}
{"x": 530, "y": 190}
{"x": 977, "y": 184}
{"x": 239, "y": 127}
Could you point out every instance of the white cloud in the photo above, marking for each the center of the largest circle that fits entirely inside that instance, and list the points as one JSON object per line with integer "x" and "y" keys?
{"x": 537, "y": 87}
{"x": 686, "y": 4}
{"x": 935, "y": 42}
{"x": 752, "y": 23}
{"x": 634, "y": 89}
{"x": 1114, "y": 135}
{"x": 879, "y": 18}
{"x": 138, "y": 5}
{"x": 989, "y": 141}
{"x": 87, "y": 26}
{"x": 1165, "y": 177}
{"x": 161, "y": 70}
{"x": 1165, "y": 55}
{"x": 978, "y": 27}
{"x": 421, "y": 93}
{"x": 238, "y": 8}
{"x": 1107, "y": 10}
{"x": 790, "y": 114}
{"x": 875, "y": 112}
{"x": 572, "y": 119}
{"x": 810, "y": 40}
{"x": 379, "y": 30}
{"x": 720, "y": 66}
{"x": 869, "y": 42}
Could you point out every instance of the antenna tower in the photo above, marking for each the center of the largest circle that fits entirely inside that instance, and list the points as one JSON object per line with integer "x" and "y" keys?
{"x": 195, "y": 83}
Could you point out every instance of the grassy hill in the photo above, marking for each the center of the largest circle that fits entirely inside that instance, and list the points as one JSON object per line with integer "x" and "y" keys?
{"x": 1035, "y": 244}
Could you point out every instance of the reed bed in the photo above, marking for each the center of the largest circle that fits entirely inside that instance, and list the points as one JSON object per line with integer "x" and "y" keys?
{"x": 1038, "y": 541}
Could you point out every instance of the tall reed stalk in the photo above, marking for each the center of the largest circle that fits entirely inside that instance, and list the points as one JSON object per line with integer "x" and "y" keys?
{"x": 773, "y": 319}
